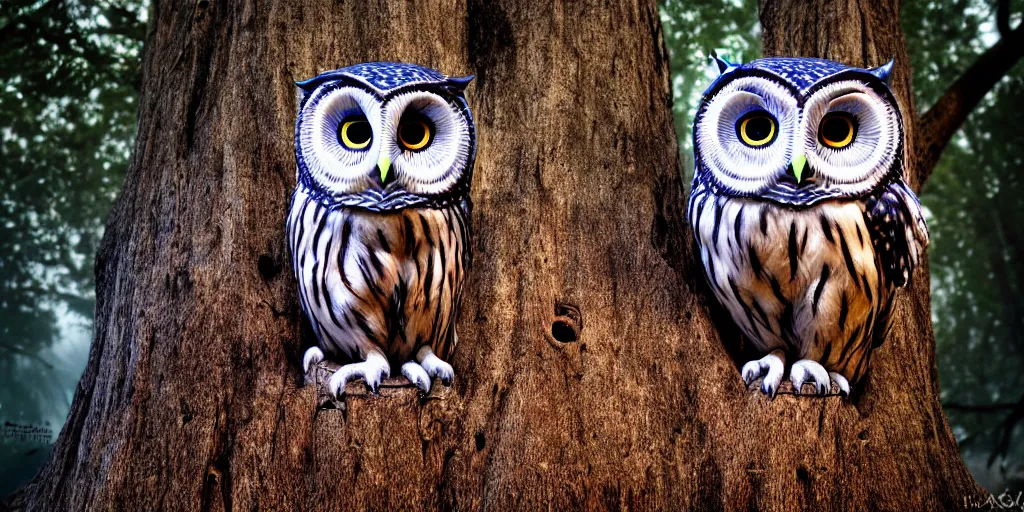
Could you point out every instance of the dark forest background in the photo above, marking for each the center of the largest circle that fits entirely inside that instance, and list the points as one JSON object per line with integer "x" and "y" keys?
{"x": 70, "y": 73}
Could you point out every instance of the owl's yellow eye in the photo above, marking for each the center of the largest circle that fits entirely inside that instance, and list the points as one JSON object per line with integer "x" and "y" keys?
{"x": 757, "y": 129}
{"x": 415, "y": 134}
{"x": 837, "y": 130}
{"x": 355, "y": 133}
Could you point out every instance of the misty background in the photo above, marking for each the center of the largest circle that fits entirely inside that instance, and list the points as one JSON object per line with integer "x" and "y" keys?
{"x": 70, "y": 75}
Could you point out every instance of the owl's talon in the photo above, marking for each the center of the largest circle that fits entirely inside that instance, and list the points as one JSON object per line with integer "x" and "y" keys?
{"x": 416, "y": 375}
{"x": 434, "y": 366}
{"x": 751, "y": 371}
{"x": 844, "y": 385}
{"x": 806, "y": 371}
{"x": 312, "y": 357}
{"x": 770, "y": 367}
{"x": 374, "y": 370}
{"x": 374, "y": 383}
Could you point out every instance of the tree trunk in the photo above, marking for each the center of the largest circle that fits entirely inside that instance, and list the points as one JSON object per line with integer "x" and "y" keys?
{"x": 194, "y": 399}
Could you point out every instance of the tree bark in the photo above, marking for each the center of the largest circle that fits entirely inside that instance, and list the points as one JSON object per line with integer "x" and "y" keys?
{"x": 193, "y": 398}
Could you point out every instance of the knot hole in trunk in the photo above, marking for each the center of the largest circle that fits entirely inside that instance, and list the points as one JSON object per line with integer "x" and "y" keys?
{"x": 567, "y": 323}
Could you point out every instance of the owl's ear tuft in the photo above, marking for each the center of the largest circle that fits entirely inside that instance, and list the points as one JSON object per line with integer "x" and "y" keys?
{"x": 723, "y": 65}
{"x": 304, "y": 87}
{"x": 307, "y": 85}
{"x": 460, "y": 83}
{"x": 883, "y": 72}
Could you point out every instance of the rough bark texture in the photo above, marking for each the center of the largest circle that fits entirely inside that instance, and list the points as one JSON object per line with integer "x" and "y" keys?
{"x": 194, "y": 399}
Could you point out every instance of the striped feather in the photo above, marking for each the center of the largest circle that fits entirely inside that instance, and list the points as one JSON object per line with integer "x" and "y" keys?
{"x": 387, "y": 280}
{"x": 803, "y": 280}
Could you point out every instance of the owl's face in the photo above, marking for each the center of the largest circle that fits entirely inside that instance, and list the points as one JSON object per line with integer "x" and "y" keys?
{"x": 385, "y": 136}
{"x": 798, "y": 131}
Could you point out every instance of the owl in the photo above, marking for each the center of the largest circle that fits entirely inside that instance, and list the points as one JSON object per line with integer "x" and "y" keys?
{"x": 805, "y": 226}
{"x": 379, "y": 220}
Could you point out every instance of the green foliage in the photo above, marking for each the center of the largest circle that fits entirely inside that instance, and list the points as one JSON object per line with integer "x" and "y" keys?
{"x": 70, "y": 73}
{"x": 694, "y": 29}
{"x": 975, "y": 197}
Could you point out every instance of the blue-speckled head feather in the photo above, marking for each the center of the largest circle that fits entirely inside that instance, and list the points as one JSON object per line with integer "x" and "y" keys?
{"x": 802, "y": 73}
{"x": 381, "y": 76}
{"x": 382, "y": 92}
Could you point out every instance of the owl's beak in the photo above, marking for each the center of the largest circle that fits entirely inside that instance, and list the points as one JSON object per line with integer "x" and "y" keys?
{"x": 383, "y": 165}
{"x": 796, "y": 166}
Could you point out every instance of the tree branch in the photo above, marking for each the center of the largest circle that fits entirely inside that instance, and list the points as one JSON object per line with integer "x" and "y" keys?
{"x": 12, "y": 25}
{"x": 978, "y": 408}
{"x": 1004, "y": 433}
{"x": 937, "y": 126}
{"x": 1003, "y": 17}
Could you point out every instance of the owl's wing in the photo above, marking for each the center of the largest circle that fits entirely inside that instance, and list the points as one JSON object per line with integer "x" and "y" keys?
{"x": 898, "y": 232}
{"x": 466, "y": 205}
{"x": 899, "y": 235}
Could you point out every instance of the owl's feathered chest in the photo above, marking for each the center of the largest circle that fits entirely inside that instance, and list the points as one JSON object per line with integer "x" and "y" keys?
{"x": 391, "y": 280}
{"x": 805, "y": 280}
